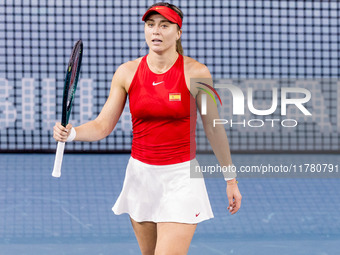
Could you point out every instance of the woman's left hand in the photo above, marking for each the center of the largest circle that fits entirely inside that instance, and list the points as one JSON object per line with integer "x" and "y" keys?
{"x": 234, "y": 197}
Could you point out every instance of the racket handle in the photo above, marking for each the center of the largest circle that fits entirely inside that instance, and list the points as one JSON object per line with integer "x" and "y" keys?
{"x": 58, "y": 159}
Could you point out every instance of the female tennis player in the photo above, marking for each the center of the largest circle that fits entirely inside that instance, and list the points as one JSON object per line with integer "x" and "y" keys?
{"x": 163, "y": 202}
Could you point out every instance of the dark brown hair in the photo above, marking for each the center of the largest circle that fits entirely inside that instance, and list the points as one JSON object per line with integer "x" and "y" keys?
{"x": 179, "y": 47}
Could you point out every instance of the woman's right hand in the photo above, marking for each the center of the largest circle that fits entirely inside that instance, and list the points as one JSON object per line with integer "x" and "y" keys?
{"x": 60, "y": 133}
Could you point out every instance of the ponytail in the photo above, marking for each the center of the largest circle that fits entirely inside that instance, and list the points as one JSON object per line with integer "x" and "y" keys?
{"x": 179, "y": 47}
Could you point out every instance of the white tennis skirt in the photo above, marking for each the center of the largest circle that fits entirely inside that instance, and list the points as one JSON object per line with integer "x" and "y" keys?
{"x": 163, "y": 193}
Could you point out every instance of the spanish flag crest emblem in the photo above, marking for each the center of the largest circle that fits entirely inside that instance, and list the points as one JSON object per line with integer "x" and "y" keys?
{"x": 174, "y": 96}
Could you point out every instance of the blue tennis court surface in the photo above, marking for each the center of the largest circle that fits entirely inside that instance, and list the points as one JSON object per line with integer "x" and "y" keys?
{"x": 72, "y": 215}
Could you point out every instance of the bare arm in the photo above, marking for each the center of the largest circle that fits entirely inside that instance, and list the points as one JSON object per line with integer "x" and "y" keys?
{"x": 103, "y": 125}
{"x": 216, "y": 135}
{"x": 106, "y": 121}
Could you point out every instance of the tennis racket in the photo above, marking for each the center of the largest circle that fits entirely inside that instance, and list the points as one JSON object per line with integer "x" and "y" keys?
{"x": 70, "y": 86}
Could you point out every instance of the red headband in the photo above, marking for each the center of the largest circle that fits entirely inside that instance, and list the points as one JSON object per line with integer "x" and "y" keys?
{"x": 167, "y": 12}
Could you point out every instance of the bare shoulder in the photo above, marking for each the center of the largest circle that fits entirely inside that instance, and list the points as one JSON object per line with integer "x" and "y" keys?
{"x": 195, "y": 69}
{"x": 125, "y": 73}
{"x": 128, "y": 68}
{"x": 194, "y": 73}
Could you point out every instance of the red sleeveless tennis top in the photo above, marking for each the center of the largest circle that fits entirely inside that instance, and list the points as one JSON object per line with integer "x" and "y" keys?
{"x": 163, "y": 115}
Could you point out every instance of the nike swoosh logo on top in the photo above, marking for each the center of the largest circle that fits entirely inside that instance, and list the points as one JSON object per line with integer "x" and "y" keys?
{"x": 197, "y": 214}
{"x": 154, "y": 83}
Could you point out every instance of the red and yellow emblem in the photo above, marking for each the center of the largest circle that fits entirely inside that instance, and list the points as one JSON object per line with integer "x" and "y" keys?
{"x": 174, "y": 96}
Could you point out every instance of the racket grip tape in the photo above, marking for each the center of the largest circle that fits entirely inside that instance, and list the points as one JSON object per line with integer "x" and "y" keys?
{"x": 58, "y": 159}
